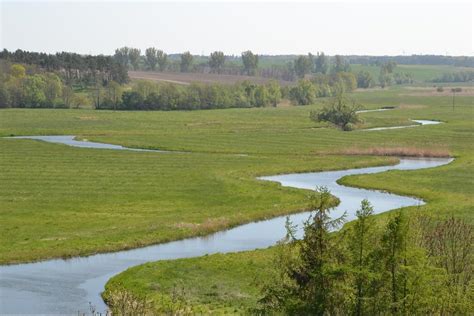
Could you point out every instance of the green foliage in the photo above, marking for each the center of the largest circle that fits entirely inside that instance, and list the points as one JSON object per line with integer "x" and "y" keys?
{"x": 340, "y": 64}
{"x": 354, "y": 269}
{"x": 361, "y": 245}
{"x": 186, "y": 62}
{"x": 345, "y": 81}
{"x": 364, "y": 79}
{"x": 155, "y": 96}
{"x": 403, "y": 78}
{"x": 151, "y": 57}
{"x": 17, "y": 71}
{"x": 274, "y": 93}
{"x": 340, "y": 111}
{"x": 79, "y": 100}
{"x": 304, "y": 93}
{"x": 250, "y": 62}
{"x": 34, "y": 90}
{"x": 217, "y": 61}
{"x": 122, "y": 56}
{"x": 449, "y": 245}
{"x": 4, "y": 96}
{"x": 321, "y": 63}
{"x": 132, "y": 100}
{"x": 134, "y": 57}
{"x": 53, "y": 88}
{"x": 386, "y": 73}
{"x": 303, "y": 65}
{"x": 458, "y": 76}
{"x": 310, "y": 278}
{"x": 162, "y": 59}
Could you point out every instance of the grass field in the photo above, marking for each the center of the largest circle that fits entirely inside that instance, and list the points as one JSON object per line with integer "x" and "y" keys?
{"x": 217, "y": 284}
{"x": 230, "y": 283}
{"x": 58, "y": 201}
{"x": 420, "y": 73}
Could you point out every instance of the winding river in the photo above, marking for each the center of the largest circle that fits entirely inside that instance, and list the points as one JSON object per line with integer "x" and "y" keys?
{"x": 71, "y": 286}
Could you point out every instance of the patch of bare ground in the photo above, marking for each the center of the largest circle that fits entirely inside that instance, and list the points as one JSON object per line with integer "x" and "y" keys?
{"x": 433, "y": 91}
{"x": 188, "y": 78}
{"x": 398, "y": 151}
{"x": 369, "y": 89}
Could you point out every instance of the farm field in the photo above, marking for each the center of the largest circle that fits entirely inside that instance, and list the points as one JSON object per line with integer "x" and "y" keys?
{"x": 420, "y": 73}
{"x": 188, "y": 78}
{"x": 58, "y": 201}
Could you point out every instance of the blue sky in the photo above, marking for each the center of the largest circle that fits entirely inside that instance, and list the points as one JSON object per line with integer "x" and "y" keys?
{"x": 350, "y": 27}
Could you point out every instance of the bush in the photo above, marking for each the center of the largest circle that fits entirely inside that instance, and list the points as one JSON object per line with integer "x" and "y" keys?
{"x": 132, "y": 100}
{"x": 304, "y": 93}
{"x": 340, "y": 111}
{"x": 364, "y": 79}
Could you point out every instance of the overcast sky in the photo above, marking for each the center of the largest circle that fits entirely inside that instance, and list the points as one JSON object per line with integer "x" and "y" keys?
{"x": 350, "y": 27}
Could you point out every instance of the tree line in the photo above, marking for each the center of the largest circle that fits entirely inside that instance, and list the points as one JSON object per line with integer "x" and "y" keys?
{"x": 410, "y": 266}
{"x": 459, "y": 76}
{"x": 74, "y": 68}
{"x": 30, "y": 87}
{"x": 147, "y": 95}
{"x": 27, "y": 87}
{"x": 457, "y": 61}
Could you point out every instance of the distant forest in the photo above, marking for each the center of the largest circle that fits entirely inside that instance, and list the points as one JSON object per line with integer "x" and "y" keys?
{"x": 71, "y": 80}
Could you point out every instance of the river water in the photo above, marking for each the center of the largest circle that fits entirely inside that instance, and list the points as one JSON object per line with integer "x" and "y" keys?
{"x": 68, "y": 286}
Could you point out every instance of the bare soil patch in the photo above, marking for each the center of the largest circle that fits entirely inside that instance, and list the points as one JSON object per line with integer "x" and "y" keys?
{"x": 188, "y": 78}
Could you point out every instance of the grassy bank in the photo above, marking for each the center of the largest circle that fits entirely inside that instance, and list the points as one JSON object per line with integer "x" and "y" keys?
{"x": 218, "y": 284}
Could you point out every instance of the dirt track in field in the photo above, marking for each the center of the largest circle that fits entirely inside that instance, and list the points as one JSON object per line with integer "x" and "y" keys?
{"x": 188, "y": 78}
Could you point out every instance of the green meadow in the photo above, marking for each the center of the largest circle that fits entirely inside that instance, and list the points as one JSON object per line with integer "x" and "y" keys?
{"x": 60, "y": 201}
{"x": 232, "y": 283}
{"x": 420, "y": 73}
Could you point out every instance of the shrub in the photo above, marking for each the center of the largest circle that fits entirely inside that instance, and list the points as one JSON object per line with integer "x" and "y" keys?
{"x": 304, "y": 93}
{"x": 340, "y": 111}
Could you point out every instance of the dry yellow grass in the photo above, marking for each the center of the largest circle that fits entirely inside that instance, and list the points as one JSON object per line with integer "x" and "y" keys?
{"x": 398, "y": 151}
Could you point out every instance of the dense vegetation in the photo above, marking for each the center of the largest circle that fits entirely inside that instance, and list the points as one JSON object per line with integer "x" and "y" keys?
{"x": 74, "y": 68}
{"x": 68, "y": 80}
{"x": 28, "y": 87}
{"x": 418, "y": 264}
{"x": 146, "y": 95}
{"x": 461, "y": 76}
{"x": 282, "y": 67}
{"x": 407, "y": 267}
